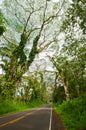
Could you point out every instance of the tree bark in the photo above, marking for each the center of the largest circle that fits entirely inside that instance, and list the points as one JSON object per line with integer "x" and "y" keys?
{"x": 66, "y": 90}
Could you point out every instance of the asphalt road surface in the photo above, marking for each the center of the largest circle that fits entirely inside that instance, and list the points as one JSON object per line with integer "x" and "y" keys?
{"x": 35, "y": 119}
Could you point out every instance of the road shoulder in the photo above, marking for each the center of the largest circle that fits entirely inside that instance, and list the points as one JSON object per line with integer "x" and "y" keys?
{"x": 57, "y": 122}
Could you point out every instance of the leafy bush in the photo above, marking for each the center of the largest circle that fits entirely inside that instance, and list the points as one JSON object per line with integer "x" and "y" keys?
{"x": 8, "y": 106}
{"x": 74, "y": 113}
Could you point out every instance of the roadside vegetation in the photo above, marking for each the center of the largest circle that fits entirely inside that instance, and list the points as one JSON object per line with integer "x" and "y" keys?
{"x": 73, "y": 113}
{"x": 10, "y": 106}
{"x": 26, "y": 96}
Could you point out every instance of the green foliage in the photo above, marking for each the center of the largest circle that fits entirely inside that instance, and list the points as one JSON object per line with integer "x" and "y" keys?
{"x": 9, "y": 106}
{"x": 2, "y": 26}
{"x": 2, "y": 29}
{"x": 59, "y": 95}
{"x": 38, "y": 89}
{"x": 7, "y": 90}
{"x": 76, "y": 13}
{"x": 76, "y": 51}
{"x": 35, "y": 103}
{"x": 6, "y": 106}
{"x": 74, "y": 113}
{"x": 74, "y": 47}
{"x": 1, "y": 18}
{"x": 16, "y": 65}
{"x": 34, "y": 50}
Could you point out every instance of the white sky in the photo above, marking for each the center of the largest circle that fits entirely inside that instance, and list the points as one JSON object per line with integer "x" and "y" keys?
{"x": 0, "y": 1}
{"x": 52, "y": 0}
{"x": 55, "y": 0}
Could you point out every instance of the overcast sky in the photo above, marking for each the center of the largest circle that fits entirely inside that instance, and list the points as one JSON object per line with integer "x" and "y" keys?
{"x": 0, "y": 1}
{"x": 52, "y": 0}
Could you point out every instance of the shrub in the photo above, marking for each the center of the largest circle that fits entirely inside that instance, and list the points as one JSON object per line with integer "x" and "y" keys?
{"x": 74, "y": 113}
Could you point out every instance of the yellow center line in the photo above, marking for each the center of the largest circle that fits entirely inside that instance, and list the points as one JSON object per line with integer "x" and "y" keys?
{"x": 12, "y": 121}
{"x": 4, "y": 124}
{"x": 22, "y": 117}
{"x": 17, "y": 119}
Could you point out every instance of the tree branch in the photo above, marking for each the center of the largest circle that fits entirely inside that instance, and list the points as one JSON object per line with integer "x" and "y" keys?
{"x": 54, "y": 16}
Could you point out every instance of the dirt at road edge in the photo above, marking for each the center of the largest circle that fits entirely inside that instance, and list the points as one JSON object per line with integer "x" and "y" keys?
{"x": 57, "y": 122}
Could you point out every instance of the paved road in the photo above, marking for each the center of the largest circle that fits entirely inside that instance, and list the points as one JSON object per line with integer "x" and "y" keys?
{"x": 35, "y": 119}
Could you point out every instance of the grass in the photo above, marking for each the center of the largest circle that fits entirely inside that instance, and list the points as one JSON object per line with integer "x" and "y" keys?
{"x": 73, "y": 113}
{"x": 9, "y": 106}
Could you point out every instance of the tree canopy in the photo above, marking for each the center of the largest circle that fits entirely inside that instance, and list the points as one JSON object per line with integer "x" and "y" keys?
{"x": 30, "y": 29}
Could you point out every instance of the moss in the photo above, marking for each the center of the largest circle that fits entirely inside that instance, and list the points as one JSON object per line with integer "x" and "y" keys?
{"x": 2, "y": 29}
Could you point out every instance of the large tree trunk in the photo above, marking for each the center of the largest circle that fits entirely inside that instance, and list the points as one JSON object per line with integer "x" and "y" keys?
{"x": 66, "y": 90}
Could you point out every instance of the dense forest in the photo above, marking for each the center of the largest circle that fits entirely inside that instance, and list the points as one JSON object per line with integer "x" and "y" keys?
{"x": 43, "y": 57}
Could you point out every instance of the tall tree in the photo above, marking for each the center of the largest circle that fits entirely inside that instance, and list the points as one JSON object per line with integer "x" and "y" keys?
{"x": 24, "y": 29}
{"x": 61, "y": 65}
{"x": 2, "y": 22}
{"x": 74, "y": 28}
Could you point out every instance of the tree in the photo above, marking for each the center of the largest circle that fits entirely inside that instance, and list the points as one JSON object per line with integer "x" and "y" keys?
{"x": 74, "y": 48}
{"x": 17, "y": 63}
{"x": 2, "y": 21}
{"x": 29, "y": 32}
{"x": 75, "y": 15}
{"x": 61, "y": 65}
